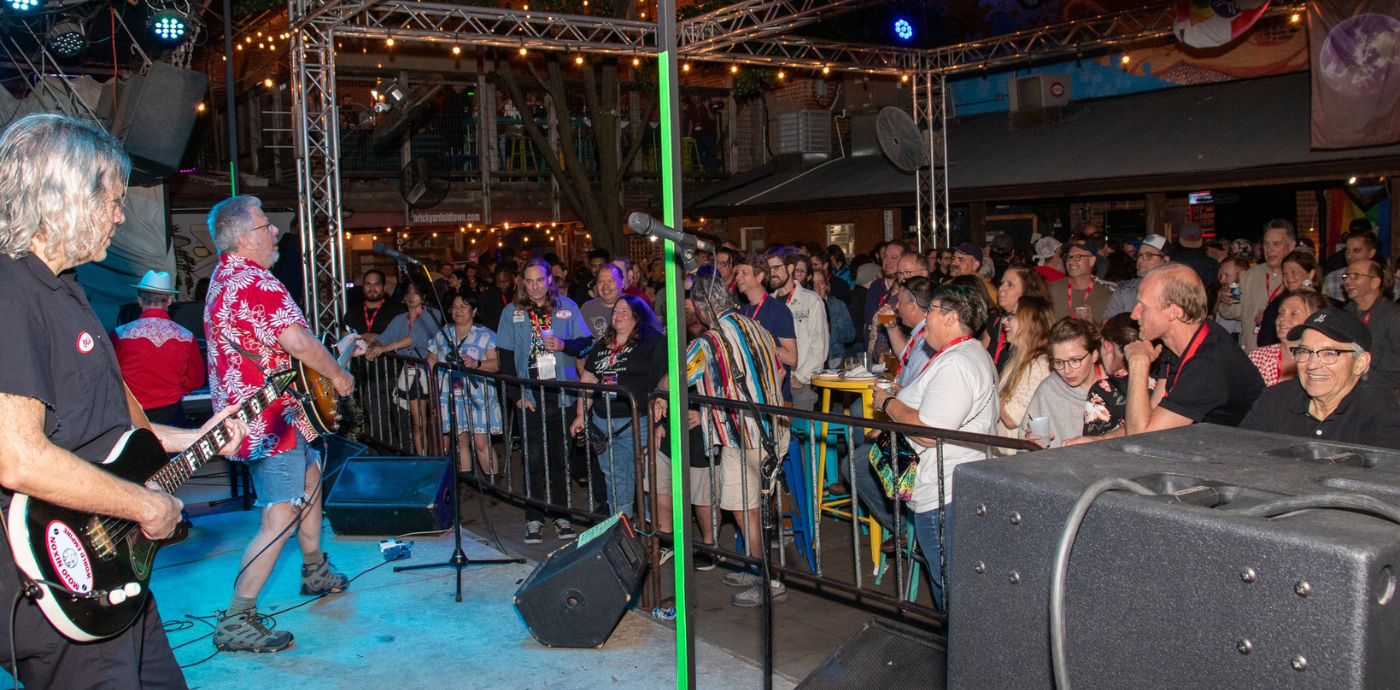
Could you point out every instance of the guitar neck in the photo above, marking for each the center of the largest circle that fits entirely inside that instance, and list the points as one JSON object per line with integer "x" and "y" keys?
{"x": 184, "y": 465}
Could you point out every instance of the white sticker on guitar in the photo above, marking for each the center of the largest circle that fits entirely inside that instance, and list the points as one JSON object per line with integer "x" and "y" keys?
{"x": 70, "y": 560}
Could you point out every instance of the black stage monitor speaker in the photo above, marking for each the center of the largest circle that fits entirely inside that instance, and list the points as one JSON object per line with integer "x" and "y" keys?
{"x": 1164, "y": 593}
{"x": 883, "y": 654}
{"x": 153, "y": 116}
{"x": 576, "y": 597}
{"x": 387, "y": 496}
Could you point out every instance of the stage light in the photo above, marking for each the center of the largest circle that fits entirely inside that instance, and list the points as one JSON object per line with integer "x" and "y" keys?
{"x": 903, "y": 29}
{"x": 387, "y": 94}
{"x": 268, "y": 82}
{"x": 21, "y": 5}
{"x": 66, "y": 39}
{"x": 169, "y": 26}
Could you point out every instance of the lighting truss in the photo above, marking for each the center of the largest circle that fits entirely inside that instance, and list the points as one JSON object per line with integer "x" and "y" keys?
{"x": 500, "y": 28}
{"x": 755, "y": 19}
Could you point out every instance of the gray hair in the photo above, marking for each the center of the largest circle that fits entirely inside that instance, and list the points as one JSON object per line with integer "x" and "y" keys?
{"x": 55, "y": 174}
{"x": 231, "y": 219}
{"x": 710, "y": 292}
{"x": 148, "y": 300}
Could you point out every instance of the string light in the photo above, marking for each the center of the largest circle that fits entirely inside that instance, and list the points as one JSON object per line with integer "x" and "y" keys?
{"x": 826, "y": 70}
{"x": 636, "y": 61}
{"x": 522, "y": 50}
{"x": 733, "y": 69}
{"x": 782, "y": 74}
{"x": 578, "y": 60}
{"x": 456, "y": 50}
{"x": 389, "y": 42}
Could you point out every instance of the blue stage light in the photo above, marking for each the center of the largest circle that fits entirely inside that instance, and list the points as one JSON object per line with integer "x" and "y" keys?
{"x": 22, "y": 5}
{"x": 903, "y": 29}
{"x": 169, "y": 26}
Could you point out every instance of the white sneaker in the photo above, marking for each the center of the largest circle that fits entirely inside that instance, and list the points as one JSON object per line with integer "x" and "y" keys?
{"x": 753, "y": 596}
{"x": 742, "y": 578}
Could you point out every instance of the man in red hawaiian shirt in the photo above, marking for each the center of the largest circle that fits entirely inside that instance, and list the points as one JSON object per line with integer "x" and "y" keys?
{"x": 253, "y": 327}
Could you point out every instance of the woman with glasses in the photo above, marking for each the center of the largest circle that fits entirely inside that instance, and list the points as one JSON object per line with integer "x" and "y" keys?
{"x": 1083, "y": 400}
{"x": 1332, "y": 400}
{"x": 1275, "y": 362}
{"x": 478, "y": 405}
{"x": 1028, "y": 331}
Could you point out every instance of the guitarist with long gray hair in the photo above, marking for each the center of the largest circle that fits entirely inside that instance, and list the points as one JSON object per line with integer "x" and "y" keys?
{"x": 253, "y": 327}
{"x": 62, "y": 185}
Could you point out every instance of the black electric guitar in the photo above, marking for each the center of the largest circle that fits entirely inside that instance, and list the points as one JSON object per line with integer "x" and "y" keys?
{"x": 92, "y": 570}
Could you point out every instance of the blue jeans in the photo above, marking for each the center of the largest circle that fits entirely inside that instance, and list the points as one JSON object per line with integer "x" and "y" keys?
{"x": 872, "y": 495}
{"x": 926, "y": 531}
{"x": 281, "y": 478}
{"x": 619, "y": 461}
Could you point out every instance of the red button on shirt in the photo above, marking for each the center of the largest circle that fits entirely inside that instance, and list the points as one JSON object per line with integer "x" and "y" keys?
{"x": 248, "y": 306}
{"x": 159, "y": 359}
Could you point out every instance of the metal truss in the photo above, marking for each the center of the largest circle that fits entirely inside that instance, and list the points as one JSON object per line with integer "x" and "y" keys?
{"x": 317, "y": 143}
{"x": 500, "y": 28}
{"x": 755, "y": 19}
{"x": 789, "y": 51}
{"x": 935, "y": 214}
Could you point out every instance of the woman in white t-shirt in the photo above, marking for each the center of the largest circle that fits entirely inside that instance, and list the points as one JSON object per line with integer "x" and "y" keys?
{"x": 957, "y": 389}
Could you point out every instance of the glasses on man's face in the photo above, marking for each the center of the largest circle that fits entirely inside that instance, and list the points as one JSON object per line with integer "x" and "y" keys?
{"x": 268, "y": 227}
{"x": 1358, "y": 276}
{"x": 1078, "y": 257}
{"x": 1326, "y": 355}
{"x": 1074, "y": 363}
{"x": 1150, "y": 255}
{"x": 939, "y": 307}
{"x": 774, "y": 267}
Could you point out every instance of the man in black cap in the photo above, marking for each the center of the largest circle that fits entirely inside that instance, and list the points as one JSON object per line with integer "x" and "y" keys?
{"x": 1080, "y": 294}
{"x": 1331, "y": 399}
{"x": 967, "y": 261}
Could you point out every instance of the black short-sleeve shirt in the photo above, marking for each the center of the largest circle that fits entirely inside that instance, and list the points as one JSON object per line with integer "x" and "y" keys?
{"x": 57, "y": 352}
{"x": 638, "y": 367}
{"x": 1368, "y": 415}
{"x": 1217, "y": 384}
{"x": 364, "y": 319}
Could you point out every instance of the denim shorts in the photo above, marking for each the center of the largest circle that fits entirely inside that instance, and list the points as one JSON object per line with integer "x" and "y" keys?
{"x": 281, "y": 478}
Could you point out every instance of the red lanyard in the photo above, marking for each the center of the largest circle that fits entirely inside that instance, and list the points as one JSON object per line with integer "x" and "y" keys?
{"x": 612, "y": 354}
{"x": 909, "y": 348}
{"x": 1196, "y": 341}
{"x": 1001, "y": 341}
{"x": 941, "y": 350}
{"x": 1367, "y": 318}
{"x": 538, "y": 325}
{"x": 369, "y": 320}
{"x": 792, "y": 293}
{"x": 412, "y": 318}
{"x": 1268, "y": 281}
{"x": 759, "y": 306}
{"x": 1069, "y": 296}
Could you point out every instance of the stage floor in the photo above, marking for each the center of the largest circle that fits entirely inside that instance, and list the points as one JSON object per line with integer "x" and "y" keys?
{"x": 401, "y": 630}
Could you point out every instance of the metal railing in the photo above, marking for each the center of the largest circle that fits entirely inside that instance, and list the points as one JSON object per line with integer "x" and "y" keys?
{"x": 534, "y": 448}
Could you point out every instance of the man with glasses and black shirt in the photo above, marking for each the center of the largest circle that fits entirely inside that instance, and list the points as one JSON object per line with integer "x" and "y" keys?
{"x": 1368, "y": 285}
{"x": 1331, "y": 399}
{"x": 1154, "y": 252}
{"x": 1084, "y": 294}
{"x": 808, "y": 322}
{"x": 1205, "y": 376}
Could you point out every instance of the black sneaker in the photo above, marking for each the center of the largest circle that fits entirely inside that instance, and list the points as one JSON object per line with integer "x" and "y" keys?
{"x": 248, "y": 632}
{"x": 532, "y": 532}
{"x": 565, "y": 529}
{"x": 704, "y": 561}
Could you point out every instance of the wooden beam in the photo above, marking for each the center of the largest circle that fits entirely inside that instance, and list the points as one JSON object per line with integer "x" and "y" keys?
{"x": 1155, "y": 213}
{"x": 977, "y": 222}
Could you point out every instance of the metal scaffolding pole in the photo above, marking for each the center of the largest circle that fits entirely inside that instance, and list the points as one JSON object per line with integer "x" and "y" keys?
{"x": 317, "y": 149}
{"x": 935, "y": 216}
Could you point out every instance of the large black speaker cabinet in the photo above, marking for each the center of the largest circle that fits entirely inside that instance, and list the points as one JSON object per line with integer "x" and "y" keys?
{"x": 387, "y": 496}
{"x": 883, "y": 654}
{"x": 152, "y": 115}
{"x": 576, "y": 597}
{"x": 1166, "y": 594}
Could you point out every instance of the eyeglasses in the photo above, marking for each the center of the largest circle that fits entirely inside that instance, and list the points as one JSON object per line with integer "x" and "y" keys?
{"x": 1349, "y": 276}
{"x": 1326, "y": 355}
{"x": 1078, "y": 257}
{"x": 1075, "y": 363}
{"x": 1151, "y": 255}
{"x": 267, "y": 226}
{"x": 940, "y": 307}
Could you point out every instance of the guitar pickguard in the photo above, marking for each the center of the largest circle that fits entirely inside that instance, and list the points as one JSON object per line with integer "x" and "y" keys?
{"x": 142, "y": 553}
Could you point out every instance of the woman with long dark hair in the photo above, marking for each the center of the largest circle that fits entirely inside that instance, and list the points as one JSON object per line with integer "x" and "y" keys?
{"x": 631, "y": 354}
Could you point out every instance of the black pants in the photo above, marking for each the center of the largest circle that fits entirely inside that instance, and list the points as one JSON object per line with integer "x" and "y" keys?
{"x": 169, "y": 415}
{"x": 547, "y": 449}
{"x": 139, "y": 658}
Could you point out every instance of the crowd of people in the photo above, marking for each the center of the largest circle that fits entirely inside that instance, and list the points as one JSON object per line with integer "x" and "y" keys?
{"x": 1060, "y": 342}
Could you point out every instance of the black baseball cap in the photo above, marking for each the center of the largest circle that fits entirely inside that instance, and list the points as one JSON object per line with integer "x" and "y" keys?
{"x": 1339, "y": 325}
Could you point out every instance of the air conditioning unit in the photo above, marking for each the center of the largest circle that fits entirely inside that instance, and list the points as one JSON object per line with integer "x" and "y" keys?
{"x": 1040, "y": 91}
{"x": 805, "y": 131}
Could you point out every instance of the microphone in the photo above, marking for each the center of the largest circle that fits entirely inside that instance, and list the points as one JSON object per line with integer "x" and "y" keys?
{"x": 383, "y": 249}
{"x": 644, "y": 224}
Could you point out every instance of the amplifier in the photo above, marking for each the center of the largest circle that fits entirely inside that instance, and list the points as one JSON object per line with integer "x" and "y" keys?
{"x": 577, "y": 596}
{"x": 1167, "y": 594}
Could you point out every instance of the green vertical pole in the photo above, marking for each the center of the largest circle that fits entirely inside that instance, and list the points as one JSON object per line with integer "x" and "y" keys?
{"x": 668, "y": 91}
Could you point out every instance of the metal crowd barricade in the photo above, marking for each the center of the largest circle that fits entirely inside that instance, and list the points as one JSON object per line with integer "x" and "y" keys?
{"x": 387, "y": 390}
{"x": 805, "y": 457}
{"x": 388, "y": 425}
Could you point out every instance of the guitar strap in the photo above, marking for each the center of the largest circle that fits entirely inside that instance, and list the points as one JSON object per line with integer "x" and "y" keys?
{"x": 138, "y": 415}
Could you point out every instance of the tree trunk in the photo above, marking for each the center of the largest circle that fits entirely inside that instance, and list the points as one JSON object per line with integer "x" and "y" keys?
{"x": 597, "y": 201}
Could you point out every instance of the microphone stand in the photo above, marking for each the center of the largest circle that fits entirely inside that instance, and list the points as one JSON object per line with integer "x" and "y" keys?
{"x": 459, "y": 559}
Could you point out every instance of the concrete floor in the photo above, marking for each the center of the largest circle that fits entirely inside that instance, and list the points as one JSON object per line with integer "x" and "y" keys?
{"x": 404, "y": 630}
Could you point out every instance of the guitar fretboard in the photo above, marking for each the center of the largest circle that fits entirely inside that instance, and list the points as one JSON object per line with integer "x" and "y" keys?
{"x": 184, "y": 465}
